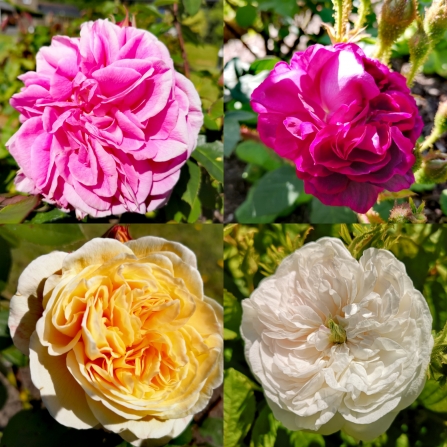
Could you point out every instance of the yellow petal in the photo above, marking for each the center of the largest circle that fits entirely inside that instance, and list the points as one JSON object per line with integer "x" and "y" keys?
{"x": 150, "y": 244}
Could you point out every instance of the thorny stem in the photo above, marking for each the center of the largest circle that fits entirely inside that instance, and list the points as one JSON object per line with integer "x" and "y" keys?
{"x": 178, "y": 28}
{"x": 363, "y": 11}
{"x": 338, "y": 5}
{"x": 431, "y": 139}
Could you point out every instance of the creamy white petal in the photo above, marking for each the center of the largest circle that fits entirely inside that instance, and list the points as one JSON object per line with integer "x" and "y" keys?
{"x": 26, "y": 305}
{"x": 312, "y": 382}
{"x": 61, "y": 394}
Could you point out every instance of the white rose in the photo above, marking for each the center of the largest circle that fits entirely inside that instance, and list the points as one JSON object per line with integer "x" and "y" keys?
{"x": 355, "y": 376}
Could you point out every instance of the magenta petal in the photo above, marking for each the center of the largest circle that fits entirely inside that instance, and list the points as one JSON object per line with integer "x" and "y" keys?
{"x": 113, "y": 80}
{"x": 349, "y": 124}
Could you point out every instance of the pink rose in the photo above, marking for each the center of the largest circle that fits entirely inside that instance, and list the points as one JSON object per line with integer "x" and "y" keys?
{"x": 107, "y": 122}
{"x": 347, "y": 122}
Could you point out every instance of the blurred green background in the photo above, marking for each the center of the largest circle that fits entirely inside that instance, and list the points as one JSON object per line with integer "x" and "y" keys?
{"x": 252, "y": 252}
{"x": 23, "y": 422}
{"x": 27, "y": 25}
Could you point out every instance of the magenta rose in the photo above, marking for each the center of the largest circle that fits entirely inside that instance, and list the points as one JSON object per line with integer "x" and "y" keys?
{"x": 107, "y": 122}
{"x": 347, "y": 122}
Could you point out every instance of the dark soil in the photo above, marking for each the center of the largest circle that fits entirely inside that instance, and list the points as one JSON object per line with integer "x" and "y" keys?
{"x": 429, "y": 91}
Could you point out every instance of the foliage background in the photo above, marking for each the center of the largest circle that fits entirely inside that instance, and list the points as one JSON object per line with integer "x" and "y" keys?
{"x": 23, "y": 420}
{"x": 253, "y": 252}
{"x": 198, "y": 194}
{"x": 260, "y": 186}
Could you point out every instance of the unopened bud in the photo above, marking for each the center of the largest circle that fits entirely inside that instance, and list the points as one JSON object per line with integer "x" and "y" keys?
{"x": 395, "y": 17}
{"x": 435, "y": 22}
{"x": 400, "y": 213}
{"x": 408, "y": 212}
{"x": 118, "y": 232}
{"x": 436, "y": 167}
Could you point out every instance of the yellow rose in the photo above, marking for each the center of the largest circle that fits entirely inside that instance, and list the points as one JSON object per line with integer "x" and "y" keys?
{"x": 120, "y": 335}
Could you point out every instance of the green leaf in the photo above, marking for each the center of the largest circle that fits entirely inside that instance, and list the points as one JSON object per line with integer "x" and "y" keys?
{"x": 422, "y": 187}
{"x": 210, "y": 156}
{"x": 443, "y": 201}
{"x": 210, "y": 123}
{"x": 434, "y": 396}
{"x": 241, "y": 115}
{"x": 246, "y": 212}
{"x": 196, "y": 211}
{"x": 5, "y": 338}
{"x": 5, "y": 262}
{"x": 203, "y": 57}
{"x": 288, "y": 438}
{"x": 193, "y": 185}
{"x": 53, "y": 235}
{"x": 232, "y": 134}
{"x": 246, "y": 15}
{"x": 264, "y": 64}
{"x": 275, "y": 192}
{"x": 258, "y": 154}
{"x": 192, "y": 6}
{"x": 36, "y": 428}
{"x": 212, "y": 428}
{"x": 239, "y": 407}
{"x": 3, "y": 395}
{"x": 17, "y": 212}
{"x": 50, "y": 216}
{"x": 331, "y": 214}
{"x": 13, "y": 355}
{"x": 265, "y": 429}
{"x": 184, "y": 438}
{"x": 216, "y": 109}
{"x": 232, "y": 315}
{"x": 32, "y": 429}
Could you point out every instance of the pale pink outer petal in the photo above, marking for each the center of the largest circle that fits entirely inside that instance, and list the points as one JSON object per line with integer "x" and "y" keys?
{"x": 26, "y": 304}
{"x": 61, "y": 394}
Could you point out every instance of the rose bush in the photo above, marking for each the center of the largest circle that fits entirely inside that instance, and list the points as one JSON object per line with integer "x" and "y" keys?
{"x": 347, "y": 122}
{"x": 121, "y": 335}
{"x": 107, "y": 122}
{"x": 338, "y": 343}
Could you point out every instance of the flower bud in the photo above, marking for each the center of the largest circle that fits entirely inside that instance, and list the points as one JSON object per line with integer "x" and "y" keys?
{"x": 435, "y": 23}
{"x": 436, "y": 168}
{"x": 395, "y": 17}
{"x": 400, "y": 213}
{"x": 118, "y": 232}
{"x": 408, "y": 213}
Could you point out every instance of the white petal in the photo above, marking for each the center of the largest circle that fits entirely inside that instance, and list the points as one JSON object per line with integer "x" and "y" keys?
{"x": 178, "y": 427}
{"x": 61, "y": 394}
{"x": 368, "y": 432}
{"x": 94, "y": 252}
{"x": 26, "y": 304}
